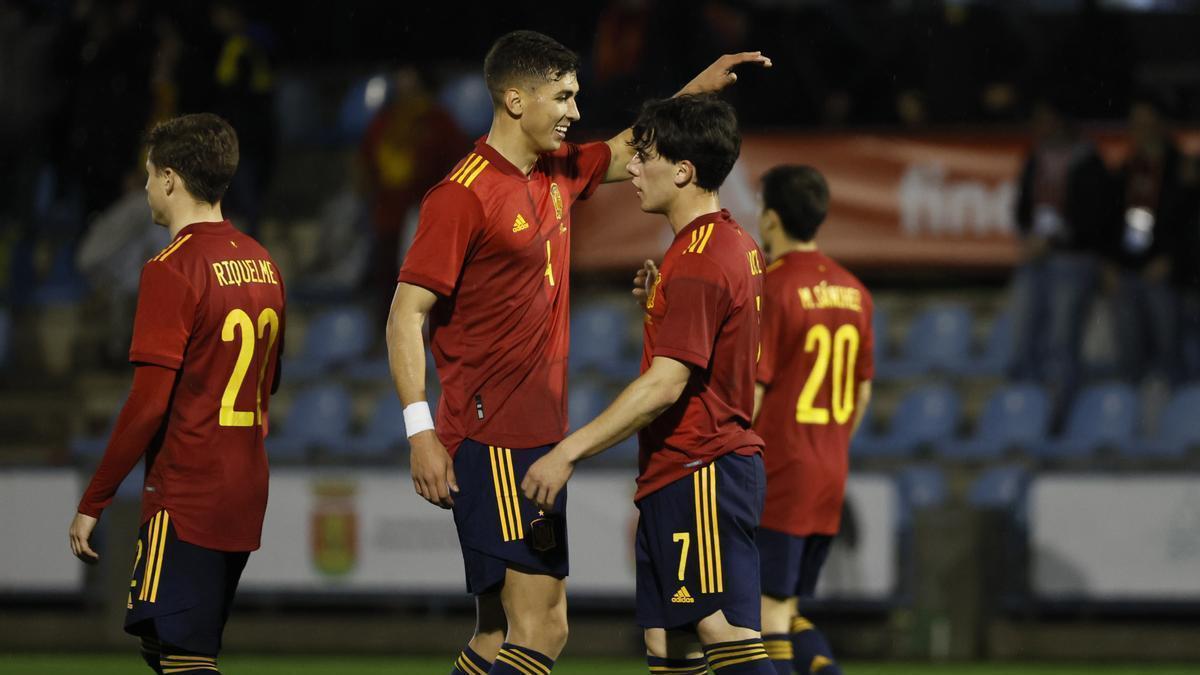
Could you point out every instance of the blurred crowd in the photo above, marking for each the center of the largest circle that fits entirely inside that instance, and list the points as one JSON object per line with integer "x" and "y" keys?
{"x": 82, "y": 80}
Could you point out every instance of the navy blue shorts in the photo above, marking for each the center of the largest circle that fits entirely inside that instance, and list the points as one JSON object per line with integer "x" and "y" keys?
{"x": 498, "y": 528}
{"x": 791, "y": 565}
{"x": 180, "y": 593}
{"x": 695, "y": 546}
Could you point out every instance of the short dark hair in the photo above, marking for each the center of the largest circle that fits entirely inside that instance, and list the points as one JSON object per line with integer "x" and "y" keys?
{"x": 800, "y": 196}
{"x": 701, "y": 129}
{"x": 524, "y": 56}
{"x": 202, "y": 148}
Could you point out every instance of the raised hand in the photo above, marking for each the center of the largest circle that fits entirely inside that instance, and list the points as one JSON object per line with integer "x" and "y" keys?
{"x": 720, "y": 74}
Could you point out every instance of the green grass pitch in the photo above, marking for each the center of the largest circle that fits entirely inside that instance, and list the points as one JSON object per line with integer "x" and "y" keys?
{"x": 130, "y": 664}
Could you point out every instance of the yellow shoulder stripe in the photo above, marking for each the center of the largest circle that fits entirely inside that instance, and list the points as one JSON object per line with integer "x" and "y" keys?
{"x": 468, "y": 164}
{"x": 171, "y": 249}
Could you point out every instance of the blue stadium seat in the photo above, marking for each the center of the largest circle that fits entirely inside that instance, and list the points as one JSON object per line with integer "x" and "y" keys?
{"x": 1178, "y": 428}
{"x": 881, "y": 348}
{"x": 319, "y": 417}
{"x": 600, "y": 340}
{"x": 999, "y": 487}
{"x": 996, "y": 358}
{"x": 384, "y": 434}
{"x": 939, "y": 340}
{"x": 1015, "y": 416}
{"x": 925, "y": 416}
{"x": 1103, "y": 416}
{"x": 334, "y": 337}
{"x": 921, "y": 487}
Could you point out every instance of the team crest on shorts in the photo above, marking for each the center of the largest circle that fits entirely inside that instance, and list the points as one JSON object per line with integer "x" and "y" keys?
{"x": 556, "y": 197}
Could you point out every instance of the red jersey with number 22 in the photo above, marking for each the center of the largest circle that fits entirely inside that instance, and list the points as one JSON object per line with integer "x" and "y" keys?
{"x": 211, "y": 306}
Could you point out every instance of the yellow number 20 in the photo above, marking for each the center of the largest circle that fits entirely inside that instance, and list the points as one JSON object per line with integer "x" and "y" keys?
{"x": 239, "y": 321}
{"x": 844, "y": 346}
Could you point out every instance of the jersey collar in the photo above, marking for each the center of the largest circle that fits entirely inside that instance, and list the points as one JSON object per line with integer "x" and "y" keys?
{"x": 721, "y": 216}
{"x": 498, "y": 161}
{"x": 217, "y": 227}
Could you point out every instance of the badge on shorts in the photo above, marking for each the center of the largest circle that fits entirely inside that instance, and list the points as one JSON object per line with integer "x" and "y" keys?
{"x": 541, "y": 535}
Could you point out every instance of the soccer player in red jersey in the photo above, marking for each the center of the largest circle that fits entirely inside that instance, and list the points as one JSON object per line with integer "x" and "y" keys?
{"x": 814, "y": 383}
{"x": 206, "y": 343}
{"x": 489, "y": 266}
{"x": 701, "y": 481}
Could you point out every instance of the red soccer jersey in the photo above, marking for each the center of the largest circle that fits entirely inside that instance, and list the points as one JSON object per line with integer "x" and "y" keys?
{"x": 211, "y": 306}
{"x": 495, "y": 245}
{"x": 703, "y": 311}
{"x": 817, "y": 342}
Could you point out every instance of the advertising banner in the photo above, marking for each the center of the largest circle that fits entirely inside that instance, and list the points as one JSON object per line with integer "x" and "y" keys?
{"x": 337, "y": 530}
{"x": 38, "y": 506}
{"x": 1128, "y": 537}
{"x": 917, "y": 200}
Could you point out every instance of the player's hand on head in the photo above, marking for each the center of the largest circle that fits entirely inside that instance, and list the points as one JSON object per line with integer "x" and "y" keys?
{"x": 643, "y": 281}
{"x": 80, "y": 532}
{"x": 721, "y": 74}
{"x": 546, "y": 478}
{"x": 432, "y": 470}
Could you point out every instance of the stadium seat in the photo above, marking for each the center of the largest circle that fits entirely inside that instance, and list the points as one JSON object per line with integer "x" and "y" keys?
{"x": 1015, "y": 416}
{"x": 998, "y": 487}
{"x": 927, "y": 415}
{"x": 921, "y": 487}
{"x": 996, "y": 358}
{"x": 1102, "y": 416}
{"x": 319, "y": 417}
{"x": 939, "y": 340}
{"x": 1178, "y": 429}
{"x": 599, "y": 341}
{"x": 334, "y": 337}
{"x": 383, "y": 435}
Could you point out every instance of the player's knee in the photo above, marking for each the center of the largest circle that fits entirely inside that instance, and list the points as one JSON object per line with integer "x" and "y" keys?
{"x": 656, "y": 642}
{"x": 487, "y": 642}
{"x": 546, "y": 629}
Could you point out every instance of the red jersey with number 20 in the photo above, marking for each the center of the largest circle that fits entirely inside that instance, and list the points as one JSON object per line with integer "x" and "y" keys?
{"x": 703, "y": 311}
{"x": 495, "y": 245}
{"x": 817, "y": 346}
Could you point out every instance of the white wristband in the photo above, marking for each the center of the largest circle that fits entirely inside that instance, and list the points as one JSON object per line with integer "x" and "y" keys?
{"x": 417, "y": 418}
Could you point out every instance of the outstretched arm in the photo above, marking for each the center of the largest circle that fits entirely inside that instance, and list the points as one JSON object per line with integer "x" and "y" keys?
{"x": 643, "y": 400}
{"x": 139, "y": 421}
{"x": 713, "y": 78}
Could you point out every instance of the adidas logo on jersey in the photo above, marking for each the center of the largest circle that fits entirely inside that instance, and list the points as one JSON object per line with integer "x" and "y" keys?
{"x": 520, "y": 223}
{"x": 682, "y": 597}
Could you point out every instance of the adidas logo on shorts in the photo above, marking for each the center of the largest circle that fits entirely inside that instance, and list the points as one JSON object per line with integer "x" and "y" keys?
{"x": 682, "y": 596}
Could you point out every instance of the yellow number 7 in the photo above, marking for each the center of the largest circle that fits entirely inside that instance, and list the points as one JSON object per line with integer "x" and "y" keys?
{"x": 238, "y": 320}
{"x": 686, "y": 538}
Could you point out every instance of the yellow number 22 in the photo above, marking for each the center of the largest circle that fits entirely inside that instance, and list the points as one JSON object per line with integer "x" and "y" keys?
{"x": 238, "y": 320}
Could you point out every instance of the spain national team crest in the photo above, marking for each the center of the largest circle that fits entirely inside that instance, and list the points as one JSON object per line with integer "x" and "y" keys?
{"x": 334, "y": 523}
{"x": 556, "y": 197}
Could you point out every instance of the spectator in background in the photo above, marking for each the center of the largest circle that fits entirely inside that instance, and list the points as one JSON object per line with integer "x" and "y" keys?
{"x": 1185, "y": 274}
{"x": 1063, "y": 204}
{"x": 1155, "y": 204}
{"x": 110, "y": 69}
{"x": 243, "y": 94}
{"x": 405, "y": 151}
